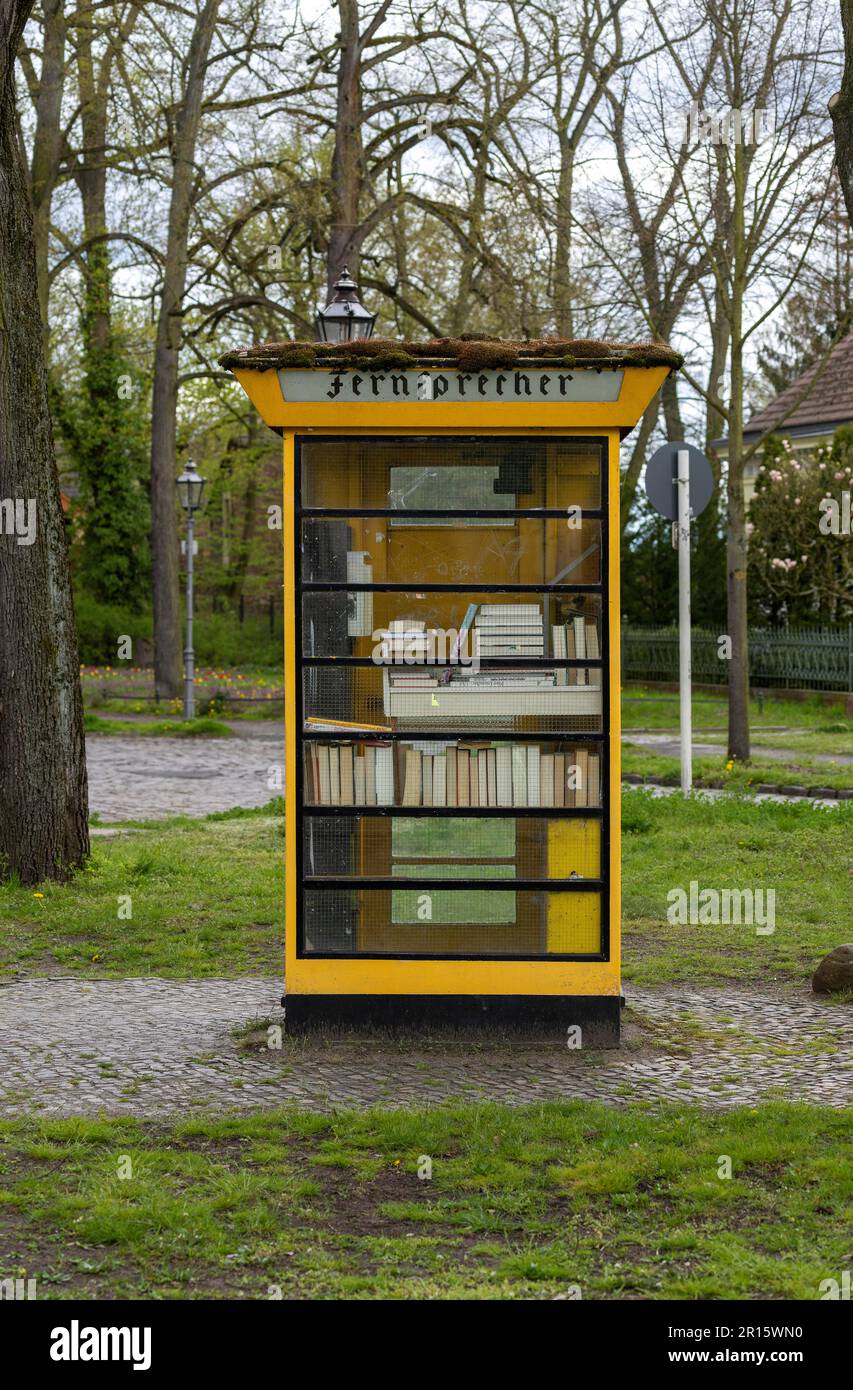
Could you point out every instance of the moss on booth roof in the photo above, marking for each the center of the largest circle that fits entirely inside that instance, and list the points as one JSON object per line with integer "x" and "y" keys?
{"x": 472, "y": 352}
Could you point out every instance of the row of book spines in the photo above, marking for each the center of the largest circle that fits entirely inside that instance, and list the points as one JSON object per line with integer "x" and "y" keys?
{"x": 480, "y": 775}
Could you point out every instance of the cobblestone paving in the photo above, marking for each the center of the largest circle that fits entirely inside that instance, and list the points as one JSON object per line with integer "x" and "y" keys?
{"x": 153, "y": 1047}
{"x": 149, "y": 778}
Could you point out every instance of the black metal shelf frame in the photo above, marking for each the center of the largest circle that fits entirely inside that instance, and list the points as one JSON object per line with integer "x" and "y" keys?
{"x": 600, "y": 885}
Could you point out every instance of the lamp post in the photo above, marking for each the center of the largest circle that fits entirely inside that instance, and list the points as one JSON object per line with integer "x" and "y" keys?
{"x": 344, "y": 317}
{"x": 190, "y": 487}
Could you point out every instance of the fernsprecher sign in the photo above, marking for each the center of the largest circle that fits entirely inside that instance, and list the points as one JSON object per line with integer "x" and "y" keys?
{"x": 532, "y": 387}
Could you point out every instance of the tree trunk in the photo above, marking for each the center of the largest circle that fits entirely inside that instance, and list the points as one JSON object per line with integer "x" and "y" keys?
{"x": 736, "y": 542}
{"x": 563, "y": 309}
{"x": 43, "y": 792}
{"x": 630, "y": 478}
{"x": 164, "y": 402}
{"x": 347, "y": 175}
{"x": 841, "y": 108}
{"x": 47, "y": 142}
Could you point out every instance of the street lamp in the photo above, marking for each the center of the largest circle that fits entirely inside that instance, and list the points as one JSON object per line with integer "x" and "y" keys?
{"x": 190, "y": 487}
{"x": 344, "y": 317}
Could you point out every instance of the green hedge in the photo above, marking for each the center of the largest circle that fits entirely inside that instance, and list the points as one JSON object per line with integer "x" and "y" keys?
{"x": 220, "y": 639}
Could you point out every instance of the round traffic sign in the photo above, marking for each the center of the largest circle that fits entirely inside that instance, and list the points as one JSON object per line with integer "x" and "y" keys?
{"x": 662, "y": 479}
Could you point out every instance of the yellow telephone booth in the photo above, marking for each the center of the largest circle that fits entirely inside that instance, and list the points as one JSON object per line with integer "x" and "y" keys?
{"x": 451, "y": 543}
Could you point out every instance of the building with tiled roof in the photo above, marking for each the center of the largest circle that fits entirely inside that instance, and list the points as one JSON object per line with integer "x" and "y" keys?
{"x": 816, "y": 415}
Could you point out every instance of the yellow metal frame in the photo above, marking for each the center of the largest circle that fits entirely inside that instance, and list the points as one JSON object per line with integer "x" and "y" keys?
{"x": 373, "y": 976}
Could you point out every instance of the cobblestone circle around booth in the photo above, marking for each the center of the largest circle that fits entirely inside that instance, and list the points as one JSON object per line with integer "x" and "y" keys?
{"x": 156, "y": 1047}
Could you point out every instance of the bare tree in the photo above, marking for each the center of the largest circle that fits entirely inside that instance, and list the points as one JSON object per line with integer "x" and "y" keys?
{"x": 756, "y": 228}
{"x": 164, "y": 401}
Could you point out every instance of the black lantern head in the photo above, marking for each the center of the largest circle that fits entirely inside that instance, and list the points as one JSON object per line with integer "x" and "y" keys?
{"x": 344, "y": 317}
{"x": 190, "y": 487}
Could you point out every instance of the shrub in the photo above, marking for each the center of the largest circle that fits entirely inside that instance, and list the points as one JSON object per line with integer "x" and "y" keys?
{"x": 100, "y": 625}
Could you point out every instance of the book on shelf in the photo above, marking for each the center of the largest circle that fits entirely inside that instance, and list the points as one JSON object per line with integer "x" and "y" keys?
{"x": 546, "y": 778}
{"x": 468, "y": 773}
{"x": 463, "y": 777}
{"x": 594, "y": 780}
{"x": 534, "y": 790}
{"x": 518, "y": 755}
{"x": 347, "y": 775}
{"x": 582, "y": 772}
{"x": 464, "y": 629}
{"x": 451, "y": 759}
{"x": 413, "y": 785}
{"x": 426, "y": 780}
{"x": 384, "y": 775}
{"x": 370, "y": 775}
{"x": 489, "y": 609}
{"x": 439, "y": 779}
{"x": 359, "y": 782}
{"x": 559, "y": 779}
{"x": 335, "y": 777}
{"x": 580, "y": 649}
{"x": 503, "y": 754}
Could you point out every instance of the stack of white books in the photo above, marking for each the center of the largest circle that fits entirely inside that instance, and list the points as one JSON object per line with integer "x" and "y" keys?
{"x": 509, "y": 629}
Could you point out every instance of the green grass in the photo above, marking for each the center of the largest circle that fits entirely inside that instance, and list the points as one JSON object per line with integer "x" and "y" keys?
{"x": 650, "y": 707}
{"x": 835, "y": 738}
{"x": 709, "y": 771}
{"x": 523, "y": 1203}
{"x": 206, "y": 899}
{"x": 207, "y": 895}
{"x": 803, "y": 853}
{"x": 163, "y": 728}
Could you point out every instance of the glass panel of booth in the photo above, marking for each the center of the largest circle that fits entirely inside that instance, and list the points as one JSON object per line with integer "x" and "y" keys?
{"x": 451, "y": 697}
{"x": 530, "y": 550}
{"x": 443, "y": 474}
{"x": 355, "y": 921}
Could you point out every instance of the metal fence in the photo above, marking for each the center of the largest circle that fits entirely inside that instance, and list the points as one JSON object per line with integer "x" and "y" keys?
{"x": 788, "y": 659}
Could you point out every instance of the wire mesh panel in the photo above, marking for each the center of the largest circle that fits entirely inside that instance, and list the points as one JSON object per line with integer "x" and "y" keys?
{"x": 523, "y": 550}
{"x": 465, "y": 921}
{"x": 468, "y": 475}
{"x": 416, "y": 848}
{"x": 538, "y": 700}
{"x": 451, "y": 601}
{"x": 440, "y": 627}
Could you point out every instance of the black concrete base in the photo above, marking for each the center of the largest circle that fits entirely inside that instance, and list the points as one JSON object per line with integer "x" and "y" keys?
{"x": 546, "y": 1018}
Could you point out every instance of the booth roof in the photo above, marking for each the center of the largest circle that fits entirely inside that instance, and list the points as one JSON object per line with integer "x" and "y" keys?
{"x": 470, "y": 353}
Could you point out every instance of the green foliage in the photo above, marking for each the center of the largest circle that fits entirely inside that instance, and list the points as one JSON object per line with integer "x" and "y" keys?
{"x": 220, "y": 639}
{"x": 797, "y": 572}
{"x": 650, "y": 569}
{"x": 99, "y": 626}
{"x": 103, "y": 422}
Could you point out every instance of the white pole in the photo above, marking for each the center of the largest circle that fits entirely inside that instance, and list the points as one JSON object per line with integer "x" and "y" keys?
{"x": 684, "y": 670}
